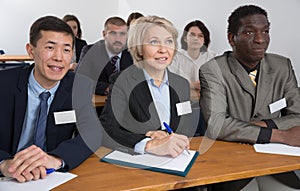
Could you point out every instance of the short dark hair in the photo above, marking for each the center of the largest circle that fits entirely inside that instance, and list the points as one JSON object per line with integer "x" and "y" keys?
{"x": 204, "y": 30}
{"x": 114, "y": 21}
{"x": 48, "y": 23}
{"x": 234, "y": 20}
{"x": 134, "y": 15}
{"x": 67, "y": 18}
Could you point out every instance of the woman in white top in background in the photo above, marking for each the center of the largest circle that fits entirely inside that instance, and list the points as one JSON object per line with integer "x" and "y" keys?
{"x": 194, "y": 42}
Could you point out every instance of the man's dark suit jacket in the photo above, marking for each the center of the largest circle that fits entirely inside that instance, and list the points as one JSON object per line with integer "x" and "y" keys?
{"x": 129, "y": 112}
{"x": 79, "y": 44}
{"x": 94, "y": 60}
{"x": 59, "y": 138}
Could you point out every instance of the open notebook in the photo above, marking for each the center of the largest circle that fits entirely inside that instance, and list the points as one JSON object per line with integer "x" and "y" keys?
{"x": 178, "y": 166}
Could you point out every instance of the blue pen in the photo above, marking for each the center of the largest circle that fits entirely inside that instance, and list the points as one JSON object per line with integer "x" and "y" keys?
{"x": 168, "y": 128}
{"x": 170, "y": 131}
{"x": 50, "y": 170}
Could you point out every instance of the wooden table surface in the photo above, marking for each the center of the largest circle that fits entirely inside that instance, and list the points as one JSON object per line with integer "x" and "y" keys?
{"x": 223, "y": 161}
{"x": 18, "y": 58}
{"x": 99, "y": 100}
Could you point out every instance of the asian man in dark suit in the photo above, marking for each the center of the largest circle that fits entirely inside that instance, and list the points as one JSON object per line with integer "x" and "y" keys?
{"x": 31, "y": 143}
{"x": 99, "y": 59}
{"x": 238, "y": 88}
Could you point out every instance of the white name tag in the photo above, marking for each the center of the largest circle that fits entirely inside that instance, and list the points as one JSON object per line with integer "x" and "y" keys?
{"x": 184, "y": 108}
{"x": 64, "y": 117}
{"x": 277, "y": 105}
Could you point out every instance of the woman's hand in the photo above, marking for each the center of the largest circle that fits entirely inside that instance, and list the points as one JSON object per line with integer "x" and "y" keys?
{"x": 172, "y": 145}
{"x": 159, "y": 134}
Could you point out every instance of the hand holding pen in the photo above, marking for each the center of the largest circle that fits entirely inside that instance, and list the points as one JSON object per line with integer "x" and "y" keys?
{"x": 29, "y": 164}
{"x": 171, "y": 145}
{"x": 48, "y": 171}
{"x": 170, "y": 131}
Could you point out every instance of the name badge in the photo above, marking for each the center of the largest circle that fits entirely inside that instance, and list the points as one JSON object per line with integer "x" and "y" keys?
{"x": 277, "y": 105}
{"x": 64, "y": 117}
{"x": 183, "y": 108}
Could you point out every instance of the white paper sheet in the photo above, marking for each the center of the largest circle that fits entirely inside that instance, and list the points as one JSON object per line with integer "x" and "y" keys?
{"x": 276, "y": 148}
{"x": 51, "y": 181}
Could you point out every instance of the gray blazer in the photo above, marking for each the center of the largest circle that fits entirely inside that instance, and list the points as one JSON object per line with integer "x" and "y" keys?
{"x": 94, "y": 62}
{"x": 229, "y": 100}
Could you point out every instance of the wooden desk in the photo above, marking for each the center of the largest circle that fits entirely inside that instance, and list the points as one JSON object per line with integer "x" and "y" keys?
{"x": 99, "y": 100}
{"x": 18, "y": 58}
{"x": 224, "y": 161}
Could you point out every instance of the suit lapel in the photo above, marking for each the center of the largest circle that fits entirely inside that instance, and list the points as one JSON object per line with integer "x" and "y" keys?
{"x": 93, "y": 61}
{"x": 125, "y": 60}
{"x": 62, "y": 95}
{"x": 103, "y": 53}
{"x": 264, "y": 80}
{"x": 241, "y": 76}
{"x": 20, "y": 105}
{"x": 174, "y": 121}
{"x": 143, "y": 102}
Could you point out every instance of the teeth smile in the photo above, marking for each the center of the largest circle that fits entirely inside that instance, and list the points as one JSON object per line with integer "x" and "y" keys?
{"x": 161, "y": 58}
{"x": 56, "y": 67}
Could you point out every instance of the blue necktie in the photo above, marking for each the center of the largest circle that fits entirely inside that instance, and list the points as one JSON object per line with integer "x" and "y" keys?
{"x": 41, "y": 121}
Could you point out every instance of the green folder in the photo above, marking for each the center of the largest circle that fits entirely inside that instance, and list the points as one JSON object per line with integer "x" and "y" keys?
{"x": 179, "y": 166}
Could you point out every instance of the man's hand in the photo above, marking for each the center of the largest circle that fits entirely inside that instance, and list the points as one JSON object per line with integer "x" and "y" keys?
{"x": 260, "y": 123}
{"x": 195, "y": 85}
{"x": 171, "y": 145}
{"x": 29, "y": 164}
{"x": 289, "y": 136}
{"x": 35, "y": 174}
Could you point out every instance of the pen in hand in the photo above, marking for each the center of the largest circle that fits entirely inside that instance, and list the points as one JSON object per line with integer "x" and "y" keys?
{"x": 170, "y": 131}
{"x": 48, "y": 171}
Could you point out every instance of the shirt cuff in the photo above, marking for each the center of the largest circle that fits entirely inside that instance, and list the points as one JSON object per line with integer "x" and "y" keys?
{"x": 264, "y": 135}
{"x": 63, "y": 164}
{"x": 270, "y": 123}
{"x": 140, "y": 146}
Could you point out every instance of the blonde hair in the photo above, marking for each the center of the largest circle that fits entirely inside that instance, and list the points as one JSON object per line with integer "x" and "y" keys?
{"x": 137, "y": 32}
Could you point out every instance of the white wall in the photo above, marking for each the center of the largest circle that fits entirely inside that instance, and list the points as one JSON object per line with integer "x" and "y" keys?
{"x": 17, "y": 16}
